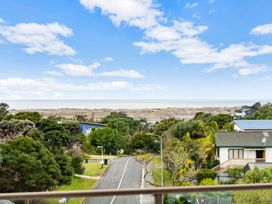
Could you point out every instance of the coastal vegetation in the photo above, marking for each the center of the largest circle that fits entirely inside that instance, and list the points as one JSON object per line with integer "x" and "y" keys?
{"x": 40, "y": 153}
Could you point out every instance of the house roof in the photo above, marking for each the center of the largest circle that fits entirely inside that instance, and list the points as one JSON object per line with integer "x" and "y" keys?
{"x": 243, "y": 139}
{"x": 94, "y": 124}
{"x": 254, "y": 124}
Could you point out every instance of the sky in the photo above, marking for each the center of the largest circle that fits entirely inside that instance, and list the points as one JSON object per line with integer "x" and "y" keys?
{"x": 136, "y": 49}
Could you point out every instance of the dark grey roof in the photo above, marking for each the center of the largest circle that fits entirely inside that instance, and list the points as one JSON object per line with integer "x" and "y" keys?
{"x": 243, "y": 139}
{"x": 254, "y": 124}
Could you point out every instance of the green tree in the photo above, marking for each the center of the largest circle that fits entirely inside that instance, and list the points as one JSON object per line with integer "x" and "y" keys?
{"x": 222, "y": 119}
{"x": 27, "y": 165}
{"x": 14, "y": 128}
{"x": 205, "y": 174}
{"x": 125, "y": 125}
{"x": 3, "y": 110}
{"x": 54, "y": 134}
{"x": 32, "y": 116}
{"x": 146, "y": 142}
{"x": 65, "y": 165}
{"x": 165, "y": 124}
{"x": 77, "y": 160}
{"x": 108, "y": 138}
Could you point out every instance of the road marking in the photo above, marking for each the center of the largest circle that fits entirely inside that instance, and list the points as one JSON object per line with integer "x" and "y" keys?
{"x": 121, "y": 180}
{"x": 142, "y": 186}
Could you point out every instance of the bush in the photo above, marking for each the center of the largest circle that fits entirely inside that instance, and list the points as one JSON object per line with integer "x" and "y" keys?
{"x": 205, "y": 173}
{"x": 173, "y": 200}
{"x": 208, "y": 182}
{"x": 209, "y": 164}
{"x": 235, "y": 173}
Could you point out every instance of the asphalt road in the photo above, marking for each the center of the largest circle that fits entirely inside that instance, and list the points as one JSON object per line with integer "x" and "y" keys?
{"x": 124, "y": 172}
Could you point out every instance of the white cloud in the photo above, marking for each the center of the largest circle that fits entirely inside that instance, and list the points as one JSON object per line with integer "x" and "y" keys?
{"x": 262, "y": 29}
{"x": 2, "y": 20}
{"x": 39, "y": 38}
{"x": 76, "y": 69}
{"x": 109, "y": 59}
{"x": 181, "y": 38}
{"x": 191, "y": 5}
{"x": 53, "y": 73}
{"x": 95, "y": 65}
{"x": 140, "y": 13}
{"x": 122, "y": 73}
{"x": 47, "y": 87}
{"x": 211, "y": 1}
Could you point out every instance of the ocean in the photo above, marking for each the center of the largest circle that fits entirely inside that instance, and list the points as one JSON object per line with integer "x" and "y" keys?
{"x": 125, "y": 103}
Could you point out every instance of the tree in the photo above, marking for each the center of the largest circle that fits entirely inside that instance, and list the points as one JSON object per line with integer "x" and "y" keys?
{"x": 54, "y": 134}
{"x": 178, "y": 162}
{"x": 77, "y": 160}
{"x": 108, "y": 138}
{"x": 165, "y": 124}
{"x": 146, "y": 142}
{"x": 27, "y": 165}
{"x": 205, "y": 174}
{"x": 32, "y": 116}
{"x": 125, "y": 125}
{"x": 65, "y": 165}
{"x": 222, "y": 119}
{"x": 3, "y": 110}
{"x": 14, "y": 128}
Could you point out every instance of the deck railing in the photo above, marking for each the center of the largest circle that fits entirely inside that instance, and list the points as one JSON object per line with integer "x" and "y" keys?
{"x": 157, "y": 192}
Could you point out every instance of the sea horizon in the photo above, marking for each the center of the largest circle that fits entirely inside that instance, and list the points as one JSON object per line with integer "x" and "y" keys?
{"x": 20, "y": 104}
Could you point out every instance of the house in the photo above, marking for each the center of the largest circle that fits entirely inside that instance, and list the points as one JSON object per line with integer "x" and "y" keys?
{"x": 244, "y": 111}
{"x": 86, "y": 127}
{"x": 241, "y": 148}
{"x": 252, "y": 125}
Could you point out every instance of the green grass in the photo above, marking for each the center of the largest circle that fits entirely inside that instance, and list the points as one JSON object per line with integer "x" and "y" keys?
{"x": 93, "y": 169}
{"x": 76, "y": 184}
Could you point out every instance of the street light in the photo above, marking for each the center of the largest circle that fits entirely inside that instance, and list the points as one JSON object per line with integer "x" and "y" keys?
{"x": 161, "y": 159}
{"x": 102, "y": 150}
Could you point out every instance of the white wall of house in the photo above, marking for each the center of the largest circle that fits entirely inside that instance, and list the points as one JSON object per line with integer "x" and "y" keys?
{"x": 268, "y": 155}
{"x": 223, "y": 154}
{"x": 237, "y": 128}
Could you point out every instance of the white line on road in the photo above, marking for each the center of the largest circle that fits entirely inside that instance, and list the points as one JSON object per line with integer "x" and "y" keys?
{"x": 121, "y": 180}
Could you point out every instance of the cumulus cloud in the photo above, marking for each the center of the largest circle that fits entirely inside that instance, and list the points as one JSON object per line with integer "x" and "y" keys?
{"x": 109, "y": 59}
{"x": 39, "y": 38}
{"x": 141, "y": 13}
{"x": 32, "y": 88}
{"x": 76, "y": 69}
{"x": 180, "y": 37}
{"x": 131, "y": 73}
{"x": 53, "y": 73}
{"x": 262, "y": 29}
{"x": 191, "y": 5}
{"x": 2, "y": 20}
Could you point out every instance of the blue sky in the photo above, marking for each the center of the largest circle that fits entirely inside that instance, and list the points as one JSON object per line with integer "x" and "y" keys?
{"x": 144, "y": 49}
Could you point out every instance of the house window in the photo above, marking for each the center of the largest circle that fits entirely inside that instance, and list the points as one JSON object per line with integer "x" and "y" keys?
{"x": 236, "y": 153}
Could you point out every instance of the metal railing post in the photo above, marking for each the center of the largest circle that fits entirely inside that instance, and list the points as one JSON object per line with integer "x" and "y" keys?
{"x": 158, "y": 198}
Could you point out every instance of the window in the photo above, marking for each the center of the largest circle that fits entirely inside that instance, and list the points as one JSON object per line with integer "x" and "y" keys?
{"x": 236, "y": 153}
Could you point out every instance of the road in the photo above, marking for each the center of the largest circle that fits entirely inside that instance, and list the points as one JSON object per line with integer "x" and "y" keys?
{"x": 124, "y": 172}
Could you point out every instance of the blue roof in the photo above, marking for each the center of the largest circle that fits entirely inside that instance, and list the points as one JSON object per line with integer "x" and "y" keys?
{"x": 254, "y": 124}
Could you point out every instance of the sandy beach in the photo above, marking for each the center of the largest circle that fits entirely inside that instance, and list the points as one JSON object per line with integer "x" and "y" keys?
{"x": 152, "y": 114}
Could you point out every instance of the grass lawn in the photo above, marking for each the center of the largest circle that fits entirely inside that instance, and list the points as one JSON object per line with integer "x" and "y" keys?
{"x": 76, "y": 184}
{"x": 93, "y": 169}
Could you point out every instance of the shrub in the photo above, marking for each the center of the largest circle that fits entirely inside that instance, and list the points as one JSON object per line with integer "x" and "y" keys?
{"x": 205, "y": 173}
{"x": 208, "y": 182}
{"x": 235, "y": 173}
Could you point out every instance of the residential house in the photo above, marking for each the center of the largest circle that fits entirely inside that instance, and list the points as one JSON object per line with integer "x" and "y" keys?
{"x": 86, "y": 127}
{"x": 241, "y": 148}
{"x": 252, "y": 125}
